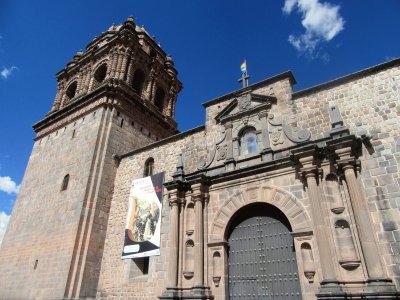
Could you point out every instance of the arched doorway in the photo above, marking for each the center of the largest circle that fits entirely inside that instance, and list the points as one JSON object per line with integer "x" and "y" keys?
{"x": 261, "y": 257}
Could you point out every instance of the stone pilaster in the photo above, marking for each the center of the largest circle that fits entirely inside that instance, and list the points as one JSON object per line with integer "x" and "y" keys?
{"x": 361, "y": 214}
{"x": 378, "y": 282}
{"x": 123, "y": 65}
{"x": 174, "y": 239}
{"x": 89, "y": 75}
{"x": 266, "y": 151}
{"x": 197, "y": 198}
{"x": 57, "y": 100}
{"x": 175, "y": 200}
{"x": 119, "y": 70}
{"x": 171, "y": 101}
{"x": 310, "y": 172}
{"x": 153, "y": 89}
{"x": 114, "y": 63}
{"x": 149, "y": 88}
{"x": 129, "y": 76}
{"x": 229, "y": 161}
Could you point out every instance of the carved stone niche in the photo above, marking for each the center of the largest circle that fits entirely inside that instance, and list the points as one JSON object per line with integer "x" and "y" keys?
{"x": 188, "y": 270}
{"x": 190, "y": 218}
{"x": 333, "y": 194}
{"x": 308, "y": 261}
{"x": 217, "y": 267}
{"x": 348, "y": 257}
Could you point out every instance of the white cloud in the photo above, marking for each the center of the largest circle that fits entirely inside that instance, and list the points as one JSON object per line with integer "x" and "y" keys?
{"x": 321, "y": 21}
{"x": 289, "y": 4}
{"x": 4, "y": 218}
{"x": 6, "y": 72}
{"x": 8, "y": 185}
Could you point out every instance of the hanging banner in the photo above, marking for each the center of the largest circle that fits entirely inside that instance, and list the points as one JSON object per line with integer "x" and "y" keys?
{"x": 142, "y": 230}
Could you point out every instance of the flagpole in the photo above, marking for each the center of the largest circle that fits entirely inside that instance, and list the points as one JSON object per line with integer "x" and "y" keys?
{"x": 245, "y": 76}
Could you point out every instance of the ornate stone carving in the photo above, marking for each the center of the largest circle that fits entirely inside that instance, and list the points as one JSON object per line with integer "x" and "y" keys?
{"x": 288, "y": 126}
{"x": 276, "y": 135}
{"x": 222, "y": 151}
{"x": 244, "y": 102}
{"x": 295, "y": 134}
{"x": 203, "y": 164}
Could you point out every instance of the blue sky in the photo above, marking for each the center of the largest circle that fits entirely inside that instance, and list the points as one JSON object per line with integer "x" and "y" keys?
{"x": 317, "y": 40}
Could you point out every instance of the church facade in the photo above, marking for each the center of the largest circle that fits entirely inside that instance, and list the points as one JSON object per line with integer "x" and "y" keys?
{"x": 279, "y": 195}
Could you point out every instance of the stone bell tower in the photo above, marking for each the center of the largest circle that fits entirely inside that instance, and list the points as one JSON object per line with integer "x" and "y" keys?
{"x": 116, "y": 96}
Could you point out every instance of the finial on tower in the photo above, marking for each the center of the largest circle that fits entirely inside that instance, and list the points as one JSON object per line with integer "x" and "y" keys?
{"x": 245, "y": 77}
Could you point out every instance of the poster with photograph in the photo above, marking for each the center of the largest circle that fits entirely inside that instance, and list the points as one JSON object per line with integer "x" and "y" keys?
{"x": 142, "y": 230}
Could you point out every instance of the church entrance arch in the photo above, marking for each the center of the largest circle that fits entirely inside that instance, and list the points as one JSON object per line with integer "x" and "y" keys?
{"x": 261, "y": 256}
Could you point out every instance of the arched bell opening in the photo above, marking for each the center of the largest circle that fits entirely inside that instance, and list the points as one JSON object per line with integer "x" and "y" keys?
{"x": 261, "y": 254}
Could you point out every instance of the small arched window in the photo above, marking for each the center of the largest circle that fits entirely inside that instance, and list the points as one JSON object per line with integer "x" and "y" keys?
{"x": 65, "y": 182}
{"x": 100, "y": 75}
{"x": 248, "y": 141}
{"x": 138, "y": 81}
{"x": 71, "y": 90}
{"x": 149, "y": 167}
{"x": 159, "y": 99}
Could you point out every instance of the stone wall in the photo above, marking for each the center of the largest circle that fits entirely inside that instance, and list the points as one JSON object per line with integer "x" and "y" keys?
{"x": 120, "y": 278}
{"x": 44, "y": 222}
{"x": 369, "y": 102}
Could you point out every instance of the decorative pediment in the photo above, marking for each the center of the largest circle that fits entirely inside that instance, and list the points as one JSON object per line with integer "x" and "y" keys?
{"x": 245, "y": 104}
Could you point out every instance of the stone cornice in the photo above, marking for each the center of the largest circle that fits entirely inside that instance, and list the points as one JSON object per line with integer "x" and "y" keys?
{"x": 113, "y": 93}
{"x": 318, "y": 151}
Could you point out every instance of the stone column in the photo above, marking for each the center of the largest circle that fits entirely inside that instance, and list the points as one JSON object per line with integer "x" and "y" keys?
{"x": 114, "y": 64}
{"x": 129, "y": 77}
{"x": 57, "y": 100}
{"x": 153, "y": 90}
{"x": 171, "y": 101}
{"x": 321, "y": 229}
{"x": 119, "y": 64}
{"x": 81, "y": 81}
{"x": 123, "y": 68}
{"x": 174, "y": 240}
{"x": 111, "y": 64}
{"x": 197, "y": 198}
{"x": 364, "y": 225}
{"x": 89, "y": 75}
{"x": 149, "y": 87}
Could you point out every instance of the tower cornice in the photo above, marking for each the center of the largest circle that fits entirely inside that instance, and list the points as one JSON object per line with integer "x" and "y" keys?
{"x": 113, "y": 93}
